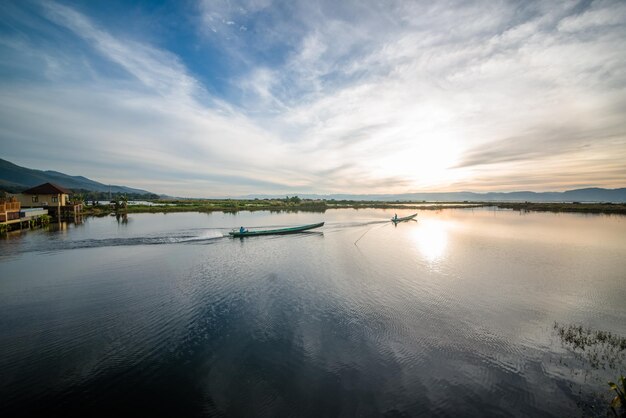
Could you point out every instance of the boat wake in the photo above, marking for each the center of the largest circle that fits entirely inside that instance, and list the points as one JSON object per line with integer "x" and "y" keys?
{"x": 200, "y": 237}
{"x": 341, "y": 226}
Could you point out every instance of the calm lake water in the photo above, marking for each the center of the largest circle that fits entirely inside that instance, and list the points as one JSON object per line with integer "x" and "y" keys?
{"x": 451, "y": 315}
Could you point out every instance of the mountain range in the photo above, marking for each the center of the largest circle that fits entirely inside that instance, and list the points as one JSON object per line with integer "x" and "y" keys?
{"x": 15, "y": 179}
{"x": 594, "y": 194}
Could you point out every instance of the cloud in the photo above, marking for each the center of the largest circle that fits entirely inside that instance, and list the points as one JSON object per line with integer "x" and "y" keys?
{"x": 324, "y": 97}
{"x": 151, "y": 122}
{"x": 158, "y": 70}
{"x": 601, "y": 14}
{"x": 545, "y": 142}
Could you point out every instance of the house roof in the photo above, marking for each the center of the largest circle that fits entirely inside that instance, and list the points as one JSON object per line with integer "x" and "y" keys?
{"x": 47, "y": 188}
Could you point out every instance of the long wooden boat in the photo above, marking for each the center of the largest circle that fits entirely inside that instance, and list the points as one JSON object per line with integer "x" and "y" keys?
{"x": 280, "y": 231}
{"x": 406, "y": 218}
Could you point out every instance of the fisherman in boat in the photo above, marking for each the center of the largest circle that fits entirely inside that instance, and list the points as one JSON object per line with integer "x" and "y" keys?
{"x": 242, "y": 230}
{"x": 395, "y": 217}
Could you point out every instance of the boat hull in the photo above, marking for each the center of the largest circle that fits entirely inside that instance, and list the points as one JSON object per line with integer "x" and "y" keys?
{"x": 406, "y": 218}
{"x": 281, "y": 231}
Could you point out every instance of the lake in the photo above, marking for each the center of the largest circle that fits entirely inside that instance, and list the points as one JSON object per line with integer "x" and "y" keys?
{"x": 450, "y": 315}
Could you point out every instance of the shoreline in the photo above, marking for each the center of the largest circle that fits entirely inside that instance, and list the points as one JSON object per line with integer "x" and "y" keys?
{"x": 233, "y": 206}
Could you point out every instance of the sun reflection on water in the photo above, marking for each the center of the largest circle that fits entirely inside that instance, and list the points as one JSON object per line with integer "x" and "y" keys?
{"x": 431, "y": 238}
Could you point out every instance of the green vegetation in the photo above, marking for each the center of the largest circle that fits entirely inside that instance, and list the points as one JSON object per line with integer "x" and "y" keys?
{"x": 607, "y": 207}
{"x": 209, "y": 205}
{"x": 43, "y": 220}
{"x": 77, "y": 198}
{"x": 120, "y": 204}
{"x": 91, "y": 196}
{"x": 295, "y": 203}
{"x": 601, "y": 348}
{"x": 601, "y": 351}
{"x": 619, "y": 402}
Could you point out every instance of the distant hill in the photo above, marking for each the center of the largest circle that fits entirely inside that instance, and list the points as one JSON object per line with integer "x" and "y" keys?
{"x": 15, "y": 179}
{"x": 579, "y": 195}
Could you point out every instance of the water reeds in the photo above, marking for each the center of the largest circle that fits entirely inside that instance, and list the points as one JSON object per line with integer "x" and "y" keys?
{"x": 576, "y": 207}
{"x": 318, "y": 205}
{"x": 618, "y": 404}
{"x": 602, "y": 350}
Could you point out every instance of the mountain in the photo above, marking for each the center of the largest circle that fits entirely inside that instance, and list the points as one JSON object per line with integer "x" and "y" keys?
{"x": 14, "y": 178}
{"x": 578, "y": 195}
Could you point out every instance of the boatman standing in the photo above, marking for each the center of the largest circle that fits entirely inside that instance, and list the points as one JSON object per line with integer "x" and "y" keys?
{"x": 395, "y": 216}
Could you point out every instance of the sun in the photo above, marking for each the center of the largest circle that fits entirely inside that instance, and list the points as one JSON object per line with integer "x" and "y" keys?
{"x": 424, "y": 164}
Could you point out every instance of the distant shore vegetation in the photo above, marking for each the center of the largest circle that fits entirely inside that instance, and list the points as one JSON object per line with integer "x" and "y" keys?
{"x": 146, "y": 204}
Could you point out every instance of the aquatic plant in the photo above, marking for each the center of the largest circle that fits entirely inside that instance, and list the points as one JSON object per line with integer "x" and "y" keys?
{"x": 601, "y": 350}
{"x": 620, "y": 399}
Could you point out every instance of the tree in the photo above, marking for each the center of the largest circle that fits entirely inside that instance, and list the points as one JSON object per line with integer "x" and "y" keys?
{"x": 78, "y": 198}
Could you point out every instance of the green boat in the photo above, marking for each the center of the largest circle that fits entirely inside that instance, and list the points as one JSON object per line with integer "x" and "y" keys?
{"x": 280, "y": 231}
{"x": 406, "y": 218}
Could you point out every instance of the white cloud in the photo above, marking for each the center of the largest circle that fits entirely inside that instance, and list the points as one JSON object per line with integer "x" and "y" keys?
{"x": 602, "y": 14}
{"x": 158, "y": 70}
{"x": 360, "y": 97}
{"x": 454, "y": 81}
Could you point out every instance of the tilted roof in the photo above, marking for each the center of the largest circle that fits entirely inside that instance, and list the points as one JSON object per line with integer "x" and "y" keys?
{"x": 47, "y": 188}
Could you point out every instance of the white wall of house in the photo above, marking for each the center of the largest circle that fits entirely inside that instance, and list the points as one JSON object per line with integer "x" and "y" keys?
{"x": 42, "y": 200}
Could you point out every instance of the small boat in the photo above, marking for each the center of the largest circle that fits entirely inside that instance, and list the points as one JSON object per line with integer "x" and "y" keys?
{"x": 280, "y": 231}
{"x": 406, "y": 218}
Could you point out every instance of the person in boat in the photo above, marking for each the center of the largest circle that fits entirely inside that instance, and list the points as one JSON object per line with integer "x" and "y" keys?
{"x": 242, "y": 230}
{"x": 395, "y": 217}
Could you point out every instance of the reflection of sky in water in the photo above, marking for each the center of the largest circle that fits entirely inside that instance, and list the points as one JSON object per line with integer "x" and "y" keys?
{"x": 165, "y": 308}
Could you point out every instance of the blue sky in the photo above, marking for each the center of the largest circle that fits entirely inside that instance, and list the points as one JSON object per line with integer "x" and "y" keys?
{"x": 226, "y": 98}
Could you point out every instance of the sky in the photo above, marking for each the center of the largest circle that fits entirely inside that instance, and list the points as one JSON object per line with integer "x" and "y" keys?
{"x": 206, "y": 98}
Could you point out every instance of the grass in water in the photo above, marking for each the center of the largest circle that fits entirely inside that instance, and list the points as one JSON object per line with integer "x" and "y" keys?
{"x": 601, "y": 350}
{"x": 619, "y": 402}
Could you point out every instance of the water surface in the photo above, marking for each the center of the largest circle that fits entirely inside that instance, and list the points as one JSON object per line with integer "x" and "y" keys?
{"x": 450, "y": 315}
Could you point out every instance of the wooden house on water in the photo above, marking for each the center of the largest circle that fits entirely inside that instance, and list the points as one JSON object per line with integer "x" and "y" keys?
{"x": 12, "y": 215}
{"x": 9, "y": 210}
{"x": 53, "y": 198}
